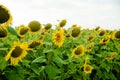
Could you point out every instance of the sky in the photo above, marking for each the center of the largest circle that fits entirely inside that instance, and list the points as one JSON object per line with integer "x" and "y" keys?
{"x": 85, "y": 13}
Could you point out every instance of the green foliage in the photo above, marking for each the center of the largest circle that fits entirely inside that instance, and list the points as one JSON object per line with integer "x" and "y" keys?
{"x": 49, "y": 62}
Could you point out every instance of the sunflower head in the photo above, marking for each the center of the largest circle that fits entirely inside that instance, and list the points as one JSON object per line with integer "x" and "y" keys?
{"x": 116, "y": 35}
{"x": 74, "y": 25}
{"x": 5, "y": 16}
{"x": 17, "y": 53}
{"x": 78, "y": 51}
{"x": 34, "y": 26}
{"x": 113, "y": 55}
{"x": 90, "y": 38}
{"x": 34, "y": 44}
{"x": 105, "y": 40}
{"x": 75, "y": 32}
{"x": 3, "y": 32}
{"x": 89, "y": 47}
{"x": 63, "y": 23}
{"x": 97, "y": 28}
{"x": 22, "y": 30}
{"x": 48, "y": 26}
{"x": 87, "y": 68}
{"x": 102, "y": 32}
{"x": 58, "y": 37}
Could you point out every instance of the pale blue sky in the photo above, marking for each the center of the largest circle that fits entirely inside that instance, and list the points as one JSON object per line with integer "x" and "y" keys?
{"x": 86, "y": 13}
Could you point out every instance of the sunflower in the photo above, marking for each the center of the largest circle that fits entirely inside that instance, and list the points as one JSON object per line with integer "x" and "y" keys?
{"x": 105, "y": 40}
{"x": 32, "y": 45}
{"x": 34, "y": 26}
{"x": 63, "y": 23}
{"x": 3, "y": 32}
{"x": 74, "y": 25}
{"x": 87, "y": 68}
{"x": 17, "y": 52}
{"x": 113, "y": 55}
{"x": 5, "y": 16}
{"x": 75, "y": 32}
{"x": 47, "y": 26}
{"x": 89, "y": 47}
{"x": 116, "y": 35}
{"x": 86, "y": 59}
{"x": 58, "y": 37}
{"x": 22, "y": 30}
{"x": 97, "y": 28}
{"x": 102, "y": 32}
{"x": 78, "y": 51}
{"x": 92, "y": 37}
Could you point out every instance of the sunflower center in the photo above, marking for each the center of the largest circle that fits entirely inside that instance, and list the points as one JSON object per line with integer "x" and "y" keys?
{"x": 75, "y": 32}
{"x": 78, "y": 51}
{"x": 117, "y": 34}
{"x": 17, "y": 52}
{"x": 90, "y": 38}
{"x": 34, "y": 44}
{"x": 58, "y": 38}
{"x": 105, "y": 40}
{"x": 3, "y": 33}
{"x": 101, "y": 33}
{"x": 4, "y": 16}
{"x": 87, "y": 68}
{"x": 34, "y": 26}
{"x": 23, "y": 31}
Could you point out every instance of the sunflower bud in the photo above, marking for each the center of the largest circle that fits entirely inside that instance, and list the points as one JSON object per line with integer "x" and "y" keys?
{"x": 75, "y": 32}
{"x": 63, "y": 23}
{"x": 34, "y": 26}
{"x": 48, "y": 26}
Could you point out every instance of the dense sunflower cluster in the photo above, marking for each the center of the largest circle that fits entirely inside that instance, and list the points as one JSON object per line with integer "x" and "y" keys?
{"x": 38, "y": 52}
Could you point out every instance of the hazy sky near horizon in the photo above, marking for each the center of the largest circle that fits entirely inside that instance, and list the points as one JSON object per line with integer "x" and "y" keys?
{"x": 86, "y": 13}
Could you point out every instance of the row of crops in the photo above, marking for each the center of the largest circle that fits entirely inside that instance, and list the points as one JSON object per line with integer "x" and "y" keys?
{"x": 38, "y": 52}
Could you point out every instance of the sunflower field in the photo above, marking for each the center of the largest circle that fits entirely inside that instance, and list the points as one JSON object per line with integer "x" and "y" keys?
{"x": 39, "y": 52}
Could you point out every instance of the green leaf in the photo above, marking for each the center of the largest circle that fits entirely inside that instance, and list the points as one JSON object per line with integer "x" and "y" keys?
{"x": 12, "y": 31}
{"x": 3, "y": 63}
{"x": 57, "y": 59}
{"x": 52, "y": 71}
{"x": 40, "y": 59}
{"x": 3, "y": 49}
{"x": 37, "y": 68}
{"x": 16, "y": 74}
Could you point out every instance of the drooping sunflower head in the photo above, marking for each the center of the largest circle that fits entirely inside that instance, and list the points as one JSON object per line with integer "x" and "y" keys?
{"x": 92, "y": 37}
{"x": 58, "y": 37}
{"x": 34, "y": 44}
{"x": 63, "y": 23}
{"x": 78, "y": 51}
{"x": 17, "y": 52}
{"x": 89, "y": 47}
{"x": 102, "y": 32}
{"x": 87, "y": 68}
{"x": 105, "y": 40}
{"x": 75, "y": 32}
{"x": 48, "y": 26}
{"x": 113, "y": 55}
{"x": 22, "y": 30}
{"x": 34, "y": 26}
{"x": 3, "y": 32}
{"x": 97, "y": 28}
{"x": 74, "y": 25}
{"x": 5, "y": 16}
{"x": 116, "y": 35}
